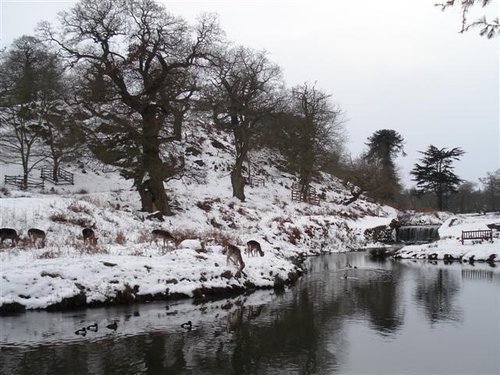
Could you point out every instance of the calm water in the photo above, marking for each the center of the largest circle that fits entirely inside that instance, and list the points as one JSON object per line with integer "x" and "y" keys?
{"x": 386, "y": 317}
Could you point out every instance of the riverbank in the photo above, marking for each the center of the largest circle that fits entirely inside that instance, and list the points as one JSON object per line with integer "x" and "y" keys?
{"x": 90, "y": 281}
{"x": 126, "y": 266}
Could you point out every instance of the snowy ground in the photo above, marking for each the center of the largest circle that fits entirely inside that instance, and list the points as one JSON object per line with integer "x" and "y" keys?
{"x": 125, "y": 265}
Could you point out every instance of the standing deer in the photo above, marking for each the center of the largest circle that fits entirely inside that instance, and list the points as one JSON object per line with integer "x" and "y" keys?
{"x": 35, "y": 235}
{"x": 253, "y": 247}
{"x": 233, "y": 253}
{"x": 159, "y": 234}
{"x": 89, "y": 236}
{"x": 9, "y": 234}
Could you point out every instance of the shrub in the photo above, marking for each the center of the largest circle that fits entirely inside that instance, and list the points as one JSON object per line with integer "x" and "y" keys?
{"x": 219, "y": 238}
{"x": 62, "y": 218}
{"x": 120, "y": 238}
{"x": 144, "y": 236}
{"x": 79, "y": 208}
{"x": 205, "y": 205}
{"x": 184, "y": 234}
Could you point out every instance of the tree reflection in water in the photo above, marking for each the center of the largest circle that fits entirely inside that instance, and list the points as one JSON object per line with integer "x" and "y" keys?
{"x": 436, "y": 291}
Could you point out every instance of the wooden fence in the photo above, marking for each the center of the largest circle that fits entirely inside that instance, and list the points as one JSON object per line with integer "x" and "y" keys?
{"x": 18, "y": 181}
{"x": 63, "y": 177}
{"x": 312, "y": 196}
{"x": 255, "y": 181}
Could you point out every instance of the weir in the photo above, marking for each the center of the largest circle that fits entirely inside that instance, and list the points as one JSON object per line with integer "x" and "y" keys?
{"x": 417, "y": 233}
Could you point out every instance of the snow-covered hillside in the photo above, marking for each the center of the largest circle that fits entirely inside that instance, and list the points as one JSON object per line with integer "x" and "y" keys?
{"x": 127, "y": 266}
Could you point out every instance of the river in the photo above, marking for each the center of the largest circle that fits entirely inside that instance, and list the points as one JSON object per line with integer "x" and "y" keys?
{"x": 347, "y": 315}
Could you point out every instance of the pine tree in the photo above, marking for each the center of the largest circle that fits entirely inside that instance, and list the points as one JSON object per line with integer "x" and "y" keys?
{"x": 435, "y": 173}
{"x": 383, "y": 146}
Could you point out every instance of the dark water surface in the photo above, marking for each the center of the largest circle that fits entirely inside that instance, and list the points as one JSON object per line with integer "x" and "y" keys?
{"x": 386, "y": 318}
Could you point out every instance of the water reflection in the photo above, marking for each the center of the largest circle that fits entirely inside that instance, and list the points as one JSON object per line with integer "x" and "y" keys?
{"x": 436, "y": 291}
{"x": 344, "y": 316}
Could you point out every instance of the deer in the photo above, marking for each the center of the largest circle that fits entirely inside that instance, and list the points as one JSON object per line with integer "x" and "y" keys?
{"x": 35, "y": 234}
{"x": 253, "y": 247}
{"x": 160, "y": 234}
{"x": 233, "y": 253}
{"x": 89, "y": 236}
{"x": 9, "y": 234}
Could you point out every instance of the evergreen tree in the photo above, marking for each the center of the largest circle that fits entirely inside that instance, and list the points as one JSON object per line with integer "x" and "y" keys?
{"x": 383, "y": 146}
{"x": 435, "y": 173}
{"x": 21, "y": 106}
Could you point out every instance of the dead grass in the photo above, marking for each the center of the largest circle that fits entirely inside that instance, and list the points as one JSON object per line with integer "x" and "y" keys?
{"x": 62, "y": 218}
{"x": 79, "y": 208}
{"x": 120, "y": 238}
{"x": 215, "y": 237}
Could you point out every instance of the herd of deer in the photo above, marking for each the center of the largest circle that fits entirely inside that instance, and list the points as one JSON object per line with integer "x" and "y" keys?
{"x": 232, "y": 252}
{"x": 37, "y": 236}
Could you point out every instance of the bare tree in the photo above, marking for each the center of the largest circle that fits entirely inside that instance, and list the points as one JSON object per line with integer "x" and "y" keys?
{"x": 491, "y": 190}
{"x": 21, "y": 110}
{"x": 312, "y": 134}
{"x": 137, "y": 52}
{"x": 244, "y": 89}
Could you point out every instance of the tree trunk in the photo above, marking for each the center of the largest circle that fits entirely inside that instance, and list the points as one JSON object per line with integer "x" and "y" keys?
{"x": 55, "y": 170}
{"x": 153, "y": 197}
{"x": 25, "y": 174}
{"x": 304, "y": 189}
{"x": 241, "y": 146}
{"x": 238, "y": 183}
{"x": 152, "y": 192}
{"x": 440, "y": 201}
{"x": 178, "y": 117}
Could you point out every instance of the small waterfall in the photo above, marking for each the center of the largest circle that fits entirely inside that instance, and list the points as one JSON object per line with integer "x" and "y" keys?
{"x": 417, "y": 233}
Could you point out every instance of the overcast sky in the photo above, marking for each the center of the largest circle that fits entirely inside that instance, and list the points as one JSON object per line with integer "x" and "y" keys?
{"x": 389, "y": 64}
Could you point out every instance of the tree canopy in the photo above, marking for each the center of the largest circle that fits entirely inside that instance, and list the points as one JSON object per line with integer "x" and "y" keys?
{"x": 383, "y": 146}
{"x": 142, "y": 55}
{"x": 435, "y": 173}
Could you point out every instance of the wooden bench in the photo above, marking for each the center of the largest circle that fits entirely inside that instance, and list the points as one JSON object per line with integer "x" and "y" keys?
{"x": 477, "y": 235}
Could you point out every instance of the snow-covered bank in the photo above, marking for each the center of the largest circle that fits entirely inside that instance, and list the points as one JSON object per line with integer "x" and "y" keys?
{"x": 450, "y": 247}
{"x": 126, "y": 266}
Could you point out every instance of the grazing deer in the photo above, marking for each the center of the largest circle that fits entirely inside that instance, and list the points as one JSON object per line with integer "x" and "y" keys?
{"x": 234, "y": 254}
{"x": 9, "y": 234}
{"x": 35, "y": 235}
{"x": 253, "y": 247}
{"x": 89, "y": 236}
{"x": 159, "y": 234}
